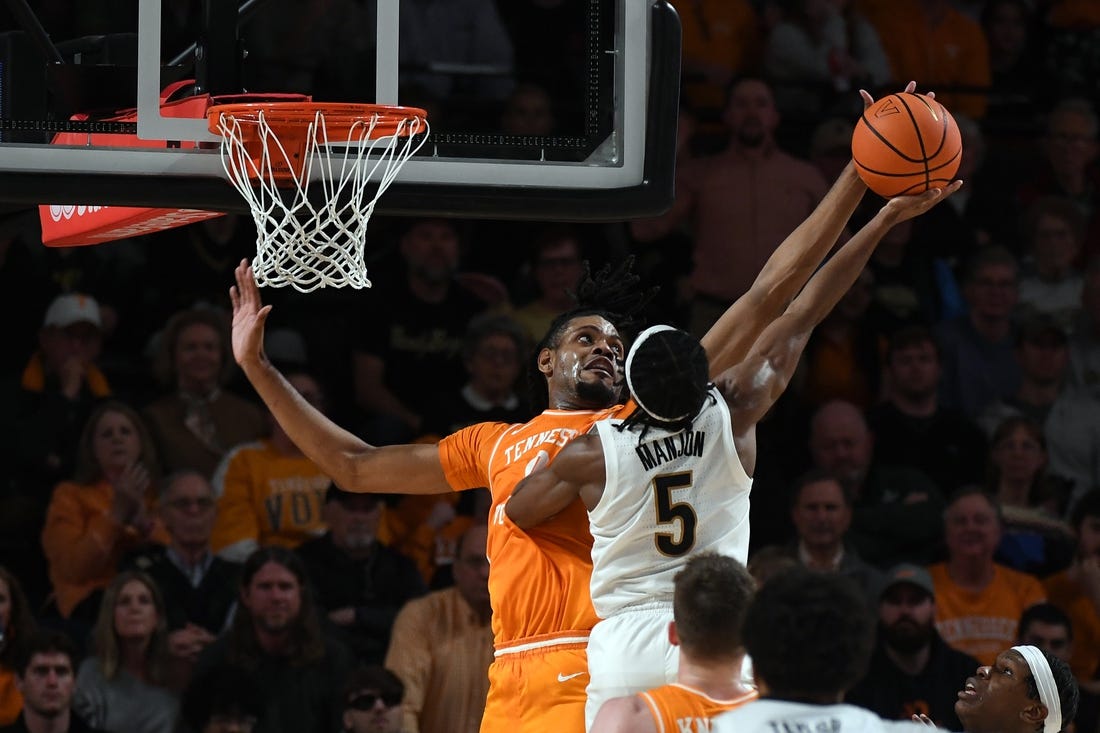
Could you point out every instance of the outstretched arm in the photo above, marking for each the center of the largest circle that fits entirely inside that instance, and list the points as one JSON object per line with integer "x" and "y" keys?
{"x": 351, "y": 463}
{"x": 787, "y": 270}
{"x": 577, "y": 470}
{"x": 753, "y": 386}
{"x": 784, "y": 274}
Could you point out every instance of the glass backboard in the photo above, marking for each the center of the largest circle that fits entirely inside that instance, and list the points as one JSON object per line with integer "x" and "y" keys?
{"x": 539, "y": 110}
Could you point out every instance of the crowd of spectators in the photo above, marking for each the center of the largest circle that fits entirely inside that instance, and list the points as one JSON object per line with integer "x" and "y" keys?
{"x": 174, "y": 561}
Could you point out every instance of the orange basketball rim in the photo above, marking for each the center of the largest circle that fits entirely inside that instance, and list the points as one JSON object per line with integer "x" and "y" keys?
{"x": 296, "y": 125}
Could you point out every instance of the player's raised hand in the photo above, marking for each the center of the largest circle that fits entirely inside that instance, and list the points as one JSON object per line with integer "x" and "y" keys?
{"x": 910, "y": 88}
{"x": 249, "y": 316}
{"x": 905, "y": 207}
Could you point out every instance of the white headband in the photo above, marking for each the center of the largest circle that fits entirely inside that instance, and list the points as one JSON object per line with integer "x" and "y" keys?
{"x": 630, "y": 360}
{"x": 1044, "y": 681}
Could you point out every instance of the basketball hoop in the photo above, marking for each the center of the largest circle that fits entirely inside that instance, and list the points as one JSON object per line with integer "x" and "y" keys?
{"x": 270, "y": 152}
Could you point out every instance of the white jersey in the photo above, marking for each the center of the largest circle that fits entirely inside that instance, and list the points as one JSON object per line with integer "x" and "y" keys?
{"x": 666, "y": 497}
{"x": 781, "y": 716}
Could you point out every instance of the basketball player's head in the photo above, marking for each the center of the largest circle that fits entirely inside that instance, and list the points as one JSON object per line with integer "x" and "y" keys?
{"x": 579, "y": 363}
{"x": 712, "y": 594}
{"x": 667, "y": 374}
{"x": 1026, "y": 690}
{"x": 809, "y": 634}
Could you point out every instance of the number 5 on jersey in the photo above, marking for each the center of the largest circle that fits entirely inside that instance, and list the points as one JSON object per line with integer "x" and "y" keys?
{"x": 669, "y": 511}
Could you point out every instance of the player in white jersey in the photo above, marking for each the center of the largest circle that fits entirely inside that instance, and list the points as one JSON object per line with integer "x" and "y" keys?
{"x": 683, "y": 490}
{"x": 658, "y": 486}
{"x": 810, "y": 636}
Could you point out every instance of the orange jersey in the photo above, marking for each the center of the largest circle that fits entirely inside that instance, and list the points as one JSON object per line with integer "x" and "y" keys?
{"x": 539, "y": 579}
{"x": 678, "y": 708}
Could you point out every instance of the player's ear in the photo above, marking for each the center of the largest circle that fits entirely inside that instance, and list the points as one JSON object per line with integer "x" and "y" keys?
{"x": 546, "y": 362}
{"x": 673, "y": 637}
{"x": 1034, "y": 714}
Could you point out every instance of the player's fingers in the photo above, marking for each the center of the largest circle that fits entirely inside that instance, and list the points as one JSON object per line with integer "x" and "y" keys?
{"x": 868, "y": 100}
{"x": 241, "y": 274}
{"x": 253, "y": 289}
{"x": 910, "y": 87}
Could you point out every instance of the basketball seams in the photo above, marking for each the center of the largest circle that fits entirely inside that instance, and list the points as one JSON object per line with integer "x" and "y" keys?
{"x": 938, "y": 112}
{"x": 931, "y": 169}
{"x": 920, "y": 137}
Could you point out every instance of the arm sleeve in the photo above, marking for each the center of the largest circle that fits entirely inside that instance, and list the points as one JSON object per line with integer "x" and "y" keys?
{"x": 410, "y": 658}
{"x": 464, "y": 455}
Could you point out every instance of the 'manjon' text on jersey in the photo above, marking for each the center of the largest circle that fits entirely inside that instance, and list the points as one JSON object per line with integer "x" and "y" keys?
{"x": 656, "y": 452}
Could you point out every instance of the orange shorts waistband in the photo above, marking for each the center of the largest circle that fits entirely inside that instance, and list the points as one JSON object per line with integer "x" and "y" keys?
{"x": 577, "y": 637}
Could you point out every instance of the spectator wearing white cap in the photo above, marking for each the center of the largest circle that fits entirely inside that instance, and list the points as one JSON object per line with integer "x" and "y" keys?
{"x": 55, "y": 395}
{"x": 60, "y": 382}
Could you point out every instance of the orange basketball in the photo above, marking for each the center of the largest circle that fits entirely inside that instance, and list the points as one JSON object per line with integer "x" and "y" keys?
{"x": 906, "y": 143}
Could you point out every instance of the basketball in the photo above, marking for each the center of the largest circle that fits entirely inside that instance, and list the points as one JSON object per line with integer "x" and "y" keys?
{"x": 906, "y": 144}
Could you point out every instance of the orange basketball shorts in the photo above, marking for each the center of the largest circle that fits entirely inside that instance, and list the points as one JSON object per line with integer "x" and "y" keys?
{"x": 537, "y": 690}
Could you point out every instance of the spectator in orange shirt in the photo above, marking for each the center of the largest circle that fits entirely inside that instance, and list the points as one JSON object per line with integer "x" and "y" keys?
{"x": 978, "y": 602}
{"x": 105, "y": 511}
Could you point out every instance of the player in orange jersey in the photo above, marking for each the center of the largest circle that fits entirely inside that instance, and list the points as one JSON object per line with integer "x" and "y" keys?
{"x": 538, "y": 580}
{"x": 711, "y": 596}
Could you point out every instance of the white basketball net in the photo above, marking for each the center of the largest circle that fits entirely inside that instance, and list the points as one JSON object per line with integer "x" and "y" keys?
{"x": 297, "y": 243}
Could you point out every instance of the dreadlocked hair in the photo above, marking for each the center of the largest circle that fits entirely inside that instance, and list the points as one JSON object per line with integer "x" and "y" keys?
{"x": 612, "y": 294}
{"x": 667, "y": 373}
